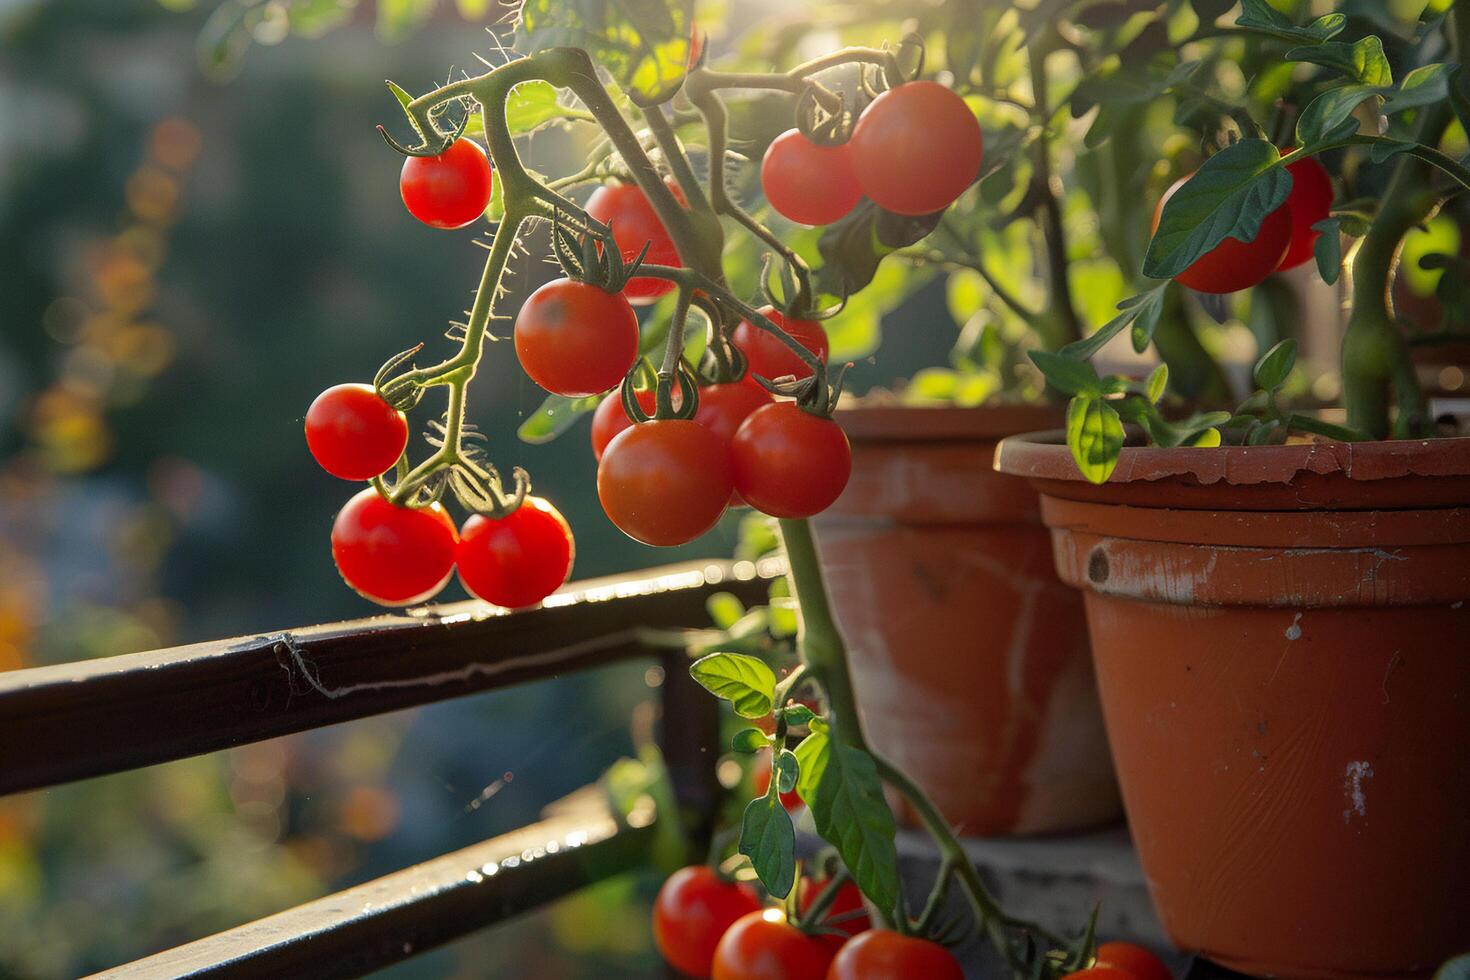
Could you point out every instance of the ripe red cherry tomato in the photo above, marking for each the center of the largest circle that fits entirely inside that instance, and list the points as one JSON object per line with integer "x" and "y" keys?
{"x": 788, "y": 462}
{"x": 916, "y": 148}
{"x": 807, "y": 182}
{"x": 1310, "y": 202}
{"x": 722, "y": 408}
{"x": 881, "y": 954}
{"x": 354, "y": 433}
{"x": 1132, "y": 959}
{"x": 609, "y": 419}
{"x": 762, "y": 783}
{"x": 518, "y": 560}
{"x": 576, "y": 339}
{"x": 1234, "y": 264}
{"x": 395, "y": 556}
{"x": 764, "y": 946}
{"x": 1102, "y": 973}
{"x": 665, "y": 482}
{"x": 768, "y": 356}
{"x": 849, "y": 900}
{"x": 634, "y": 222}
{"x": 449, "y": 190}
{"x": 692, "y": 911}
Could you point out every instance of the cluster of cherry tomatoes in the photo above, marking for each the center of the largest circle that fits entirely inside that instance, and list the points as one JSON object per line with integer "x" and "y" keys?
{"x": 1285, "y": 240}
{"x": 708, "y": 925}
{"x": 399, "y": 555}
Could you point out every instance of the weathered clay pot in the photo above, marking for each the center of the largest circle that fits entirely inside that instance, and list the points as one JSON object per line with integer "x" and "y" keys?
{"x": 1282, "y": 640}
{"x": 969, "y": 657}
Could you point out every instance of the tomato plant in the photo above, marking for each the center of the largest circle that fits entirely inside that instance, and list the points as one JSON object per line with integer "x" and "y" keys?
{"x": 450, "y": 189}
{"x": 769, "y": 357}
{"x": 764, "y": 946}
{"x": 395, "y": 556}
{"x": 516, "y": 560}
{"x": 665, "y": 482}
{"x": 635, "y": 224}
{"x": 354, "y": 433}
{"x": 807, "y": 182}
{"x": 694, "y": 908}
{"x": 576, "y": 339}
{"x": 881, "y": 954}
{"x": 916, "y": 148}
{"x": 788, "y": 462}
{"x": 1138, "y": 962}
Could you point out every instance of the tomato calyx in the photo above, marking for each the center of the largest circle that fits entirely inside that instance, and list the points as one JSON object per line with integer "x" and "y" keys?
{"x": 592, "y": 255}
{"x": 425, "y": 147}
{"x": 400, "y": 392}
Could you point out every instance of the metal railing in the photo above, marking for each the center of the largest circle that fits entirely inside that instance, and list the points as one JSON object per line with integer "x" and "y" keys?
{"x": 73, "y": 721}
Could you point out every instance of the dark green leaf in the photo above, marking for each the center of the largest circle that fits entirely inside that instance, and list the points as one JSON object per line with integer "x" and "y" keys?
{"x": 1258, "y": 15}
{"x": 1229, "y": 197}
{"x": 1141, "y": 311}
{"x": 643, "y": 44}
{"x": 1210, "y": 11}
{"x": 1329, "y": 117}
{"x": 852, "y": 248}
{"x": 798, "y": 714}
{"x": 1271, "y": 370}
{"x": 1459, "y": 92}
{"x": 787, "y": 770}
{"x": 1095, "y": 436}
{"x": 1067, "y": 374}
{"x": 1384, "y": 149}
{"x": 749, "y": 740}
{"x": 769, "y": 840}
{"x": 1363, "y": 61}
{"x": 1423, "y": 86}
{"x": 744, "y": 681}
{"x": 1343, "y": 433}
{"x": 555, "y": 416}
{"x": 1328, "y": 249}
{"x": 840, "y": 784}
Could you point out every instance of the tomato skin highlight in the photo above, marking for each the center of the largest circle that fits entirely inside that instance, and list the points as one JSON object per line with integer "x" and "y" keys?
{"x": 450, "y": 190}
{"x": 394, "y": 556}
{"x": 768, "y": 357}
{"x": 916, "y": 148}
{"x": 1310, "y": 202}
{"x": 692, "y": 911}
{"x": 882, "y": 954}
{"x": 807, "y": 182}
{"x": 575, "y": 339}
{"x": 626, "y": 209}
{"x": 518, "y": 560}
{"x": 353, "y": 433}
{"x": 665, "y": 482}
{"x": 790, "y": 463}
{"x": 609, "y": 418}
{"x": 764, "y": 946}
{"x": 1133, "y": 959}
{"x": 1234, "y": 265}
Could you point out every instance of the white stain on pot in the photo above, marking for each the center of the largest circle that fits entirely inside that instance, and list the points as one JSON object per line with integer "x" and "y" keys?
{"x": 1294, "y": 631}
{"x": 1352, "y": 788}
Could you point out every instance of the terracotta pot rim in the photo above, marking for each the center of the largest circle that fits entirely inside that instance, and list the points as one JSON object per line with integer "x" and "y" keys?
{"x": 943, "y": 423}
{"x": 1044, "y": 455}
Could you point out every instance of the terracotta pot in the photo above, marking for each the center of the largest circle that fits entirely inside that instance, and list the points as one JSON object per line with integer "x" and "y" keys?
{"x": 1282, "y": 640}
{"x": 969, "y": 657}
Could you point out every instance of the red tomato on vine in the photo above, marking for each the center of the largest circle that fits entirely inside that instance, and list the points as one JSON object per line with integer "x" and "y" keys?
{"x": 609, "y": 419}
{"x": 881, "y": 954}
{"x": 1310, "y": 202}
{"x": 723, "y": 407}
{"x": 693, "y": 910}
{"x": 768, "y": 356}
{"x": 576, "y": 339}
{"x": 634, "y": 222}
{"x": 1132, "y": 959}
{"x": 788, "y": 462}
{"x": 450, "y": 190}
{"x": 764, "y": 946}
{"x": 519, "y": 559}
{"x": 807, "y": 182}
{"x": 353, "y": 433}
{"x": 395, "y": 556}
{"x": 1233, "y": 264}
{"x": 665, "y": 482}
{"x": 916, "y": 148}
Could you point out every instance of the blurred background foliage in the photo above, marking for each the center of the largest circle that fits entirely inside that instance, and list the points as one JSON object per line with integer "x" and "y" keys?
{"x": 199, "y": 230}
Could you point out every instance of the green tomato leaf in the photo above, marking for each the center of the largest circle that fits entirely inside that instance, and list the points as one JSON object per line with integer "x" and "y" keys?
{"x": 852, "y": 247}
{"x": 1229, "y": 197}
{"x": 1066, "y": 373}
{"x": 1208, "y": 439}
{"x": 1258, "y": 15}
{"x": 749, "y": 740}
{"x": 1426, "y": 85}
{"x": 840, "y": 785}
{"x": 643, "y": 44}
{"x": 1271, "y": 370}
{"x": 1140, "y": 312}
{"x": 555, "y": 416}
{"x": 1158, "y": 381}
{"x": 769, "y": 840}
{"x": 1459, "y": 92}
{"x": 1329, "y": 117}
{"x": 1095, "y": 436}
{"x": 744, "y": 681}
{"x": 531, "y": 106}
{"x": 724, "y": 609}
{"x": 798, "y": 714}
{"x": 1328, "y": 249}
{"x": 787, "y": 770}
{"x": 1362, "y": 61}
